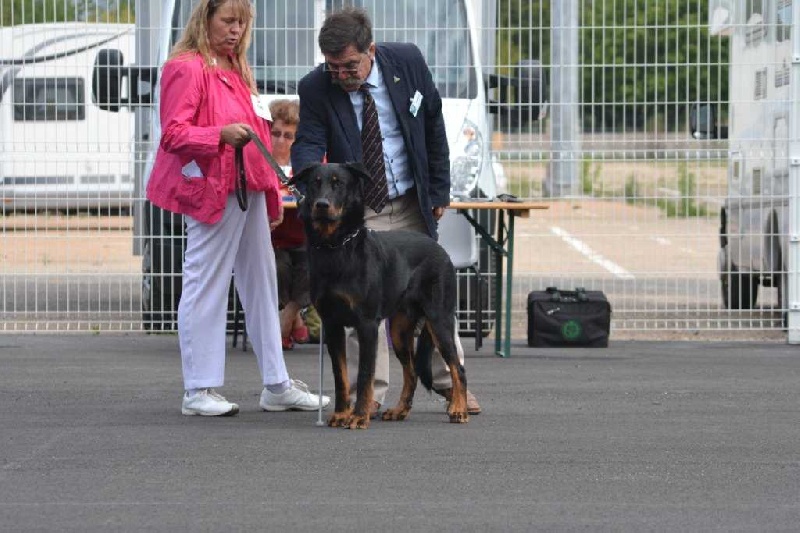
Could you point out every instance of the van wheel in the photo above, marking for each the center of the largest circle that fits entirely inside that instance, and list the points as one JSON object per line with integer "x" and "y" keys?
{"x": 739, "y": 290}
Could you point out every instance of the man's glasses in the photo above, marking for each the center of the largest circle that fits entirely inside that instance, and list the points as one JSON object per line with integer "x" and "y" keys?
{"x": 351, "y": 68}
{"x": 288, "y": 135}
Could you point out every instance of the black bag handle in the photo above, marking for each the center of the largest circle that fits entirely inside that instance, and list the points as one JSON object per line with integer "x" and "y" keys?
{"x": 555, "y": 294}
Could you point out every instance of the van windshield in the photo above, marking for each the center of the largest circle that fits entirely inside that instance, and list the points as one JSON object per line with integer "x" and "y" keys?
{"x": 284, "y": 46}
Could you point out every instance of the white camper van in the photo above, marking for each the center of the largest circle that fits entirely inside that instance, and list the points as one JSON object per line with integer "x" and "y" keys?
{"x": 284, "y": 49}
{"x": 58, "y": 148}
{"x": 754, "y": 226}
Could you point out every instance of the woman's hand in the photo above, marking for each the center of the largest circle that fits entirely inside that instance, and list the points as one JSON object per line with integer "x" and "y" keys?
{"x": 237, "y": 135}
{"x": 277, "y": 222}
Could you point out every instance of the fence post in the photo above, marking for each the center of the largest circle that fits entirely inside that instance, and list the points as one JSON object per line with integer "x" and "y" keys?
{"x": 792, "y": 302}
{"x": 563, "y": 178}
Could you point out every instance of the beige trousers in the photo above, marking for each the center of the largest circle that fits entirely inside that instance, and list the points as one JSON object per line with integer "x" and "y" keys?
{"x": 400, "y": 213}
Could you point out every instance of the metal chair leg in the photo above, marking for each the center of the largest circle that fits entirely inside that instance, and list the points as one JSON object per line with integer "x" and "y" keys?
{"x": 237, "y": 322}
{"x": 478, "y": 309}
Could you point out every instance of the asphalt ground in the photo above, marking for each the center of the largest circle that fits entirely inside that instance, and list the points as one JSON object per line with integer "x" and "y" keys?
{"x": 640, "y": 436}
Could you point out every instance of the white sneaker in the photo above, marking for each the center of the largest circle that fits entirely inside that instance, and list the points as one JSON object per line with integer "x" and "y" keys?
{"x": 295, "y": 398}
{"x": 207, "y": 402}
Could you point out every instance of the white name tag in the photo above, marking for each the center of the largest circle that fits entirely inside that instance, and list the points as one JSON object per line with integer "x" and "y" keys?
{"x": 261, "y": 107}
{"x": 415, "y": 103}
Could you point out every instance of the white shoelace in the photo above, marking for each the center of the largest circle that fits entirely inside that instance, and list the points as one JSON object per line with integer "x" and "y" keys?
{"x": 300, "y": 385}
{"x": 217, "y": 396}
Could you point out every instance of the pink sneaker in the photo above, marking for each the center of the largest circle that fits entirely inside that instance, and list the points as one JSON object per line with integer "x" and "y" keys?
{"x": 300, "y": 335}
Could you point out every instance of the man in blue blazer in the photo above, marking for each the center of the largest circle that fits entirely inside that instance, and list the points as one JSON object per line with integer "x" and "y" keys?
{"x": 415, "y": 151}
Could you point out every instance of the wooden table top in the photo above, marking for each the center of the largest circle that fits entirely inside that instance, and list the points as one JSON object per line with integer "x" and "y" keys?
{"x": 519, "y": 208}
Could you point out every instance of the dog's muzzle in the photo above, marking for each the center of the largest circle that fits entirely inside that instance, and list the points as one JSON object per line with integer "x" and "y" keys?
{"x": 321, "y": 211}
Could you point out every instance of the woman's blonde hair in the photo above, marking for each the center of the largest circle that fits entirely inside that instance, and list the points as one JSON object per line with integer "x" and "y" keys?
{"x": 195, "y": 36}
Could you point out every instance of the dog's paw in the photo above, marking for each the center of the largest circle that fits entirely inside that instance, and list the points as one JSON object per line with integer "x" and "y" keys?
{"x": 339, "y": 419}
{"x": 358, "y": 422}
{"x": 458, "y": 417}
{"x": 396, "y": 414}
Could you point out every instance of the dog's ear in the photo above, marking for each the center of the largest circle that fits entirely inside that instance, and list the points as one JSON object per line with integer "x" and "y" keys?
{"x": 305, "y": 172}
{"x": 359, "y": 171}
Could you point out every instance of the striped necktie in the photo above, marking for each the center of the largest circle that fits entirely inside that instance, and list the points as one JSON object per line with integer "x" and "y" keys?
{"x": 376, "y": 192}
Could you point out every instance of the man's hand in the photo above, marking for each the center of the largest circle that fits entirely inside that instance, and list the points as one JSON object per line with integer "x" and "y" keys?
{"x": 438, "y": 212}
{"x": 237, "y": 135}
{"x": 277, "y": 222}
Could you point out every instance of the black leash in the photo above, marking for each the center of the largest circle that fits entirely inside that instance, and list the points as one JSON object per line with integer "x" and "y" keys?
{"x": 241, "y": 174}
{"x": 240, "y": 187}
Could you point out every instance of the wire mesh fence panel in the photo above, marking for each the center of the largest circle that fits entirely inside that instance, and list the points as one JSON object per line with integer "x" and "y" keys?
{"x": 656, "y": 132}
{"x": 664, "y": 156}
{"x": 66, "y": 178}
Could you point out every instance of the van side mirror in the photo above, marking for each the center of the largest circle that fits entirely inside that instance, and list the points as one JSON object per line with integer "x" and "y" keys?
{"x": 531, "y": 84}
{"x": 107, "y": 79}
{"x": 112, "y": 80}
{"x": 703, "y": 122}
{"x": 520, "y": 98}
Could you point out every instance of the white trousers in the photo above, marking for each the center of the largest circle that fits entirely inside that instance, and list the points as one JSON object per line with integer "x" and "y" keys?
{"x": 239, "y": 243}
{"x": 400, "y": 213}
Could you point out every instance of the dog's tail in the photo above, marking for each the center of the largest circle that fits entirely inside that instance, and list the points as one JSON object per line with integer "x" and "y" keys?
{"x": 422, "y": 359}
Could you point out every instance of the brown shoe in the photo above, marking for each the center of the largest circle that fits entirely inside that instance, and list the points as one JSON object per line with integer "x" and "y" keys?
{"x": 473, "y": 407}
{"x": 375, "y": 411}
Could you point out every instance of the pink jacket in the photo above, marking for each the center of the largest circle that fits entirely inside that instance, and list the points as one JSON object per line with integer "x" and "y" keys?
{"x": 194, "y": 171}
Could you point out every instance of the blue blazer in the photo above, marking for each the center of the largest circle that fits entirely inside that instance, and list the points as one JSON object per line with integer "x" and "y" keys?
{"x": 328, "y": 126}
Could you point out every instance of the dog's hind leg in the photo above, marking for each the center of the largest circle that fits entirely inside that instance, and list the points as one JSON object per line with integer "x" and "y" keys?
{"x": 442, "y": 330}
{"x": 402, "y": 331}
{"x": 423, "y": 358}
{"x": 335, "y": 340}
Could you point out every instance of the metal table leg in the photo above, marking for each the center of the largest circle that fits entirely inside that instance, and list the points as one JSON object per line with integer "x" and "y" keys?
{"x": 501, "y": 346}
{"x": 498, "y": 287}
{"x": 509, "y": 278}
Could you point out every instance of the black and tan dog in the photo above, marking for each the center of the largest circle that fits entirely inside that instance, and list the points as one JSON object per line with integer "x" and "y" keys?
{"x": 360, "y": 277}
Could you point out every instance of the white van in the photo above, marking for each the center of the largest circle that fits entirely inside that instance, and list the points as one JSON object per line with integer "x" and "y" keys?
{"x": 58, "y": 148}
{"x": 755, "y": 220}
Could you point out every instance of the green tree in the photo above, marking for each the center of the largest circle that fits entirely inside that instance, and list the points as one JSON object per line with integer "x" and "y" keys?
{"x": 15, "y": 12}
{"x": 643, "y": 61}
{"x": 33, "y": 11}
{"x": 523, "y": 33}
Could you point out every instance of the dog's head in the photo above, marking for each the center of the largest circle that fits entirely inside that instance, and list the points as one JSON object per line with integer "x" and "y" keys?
{"x": 333, "y": 203}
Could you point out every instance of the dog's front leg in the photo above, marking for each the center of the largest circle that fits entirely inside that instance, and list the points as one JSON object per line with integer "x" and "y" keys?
{"x": 367, "y": 353}
{"x": 335, "y": 340}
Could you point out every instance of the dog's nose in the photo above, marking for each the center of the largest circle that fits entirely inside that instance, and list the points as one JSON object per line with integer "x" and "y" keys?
{"x": 322, "y": 203}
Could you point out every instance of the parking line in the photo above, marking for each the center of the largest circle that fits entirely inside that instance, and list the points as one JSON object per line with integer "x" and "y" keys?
{"x": 590, "y": 254}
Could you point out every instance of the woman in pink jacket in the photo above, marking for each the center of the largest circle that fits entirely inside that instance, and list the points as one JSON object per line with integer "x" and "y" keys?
{"x": 208, "y": 109}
